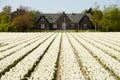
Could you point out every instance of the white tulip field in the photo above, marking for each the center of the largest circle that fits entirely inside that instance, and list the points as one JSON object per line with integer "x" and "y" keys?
{"x": 60, "y": 56}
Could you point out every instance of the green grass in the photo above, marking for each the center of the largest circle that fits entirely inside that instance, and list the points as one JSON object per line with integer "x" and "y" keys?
{"x": 61, "y": 31}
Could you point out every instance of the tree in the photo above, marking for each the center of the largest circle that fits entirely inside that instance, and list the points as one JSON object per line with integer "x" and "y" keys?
{"x": 7, "y": 12}
{"x": 6, "y": 27}
{"x": 24, "y": 22}
{"x": 96, "y": 16}
{"x": 7, "y": 9}
{"x": 5, "y": 20}
{"x": 87, "y": 11}
{"x": 111, "y": 19}
{"x": 35, "y": 14}
{"x": 20, "y": 11}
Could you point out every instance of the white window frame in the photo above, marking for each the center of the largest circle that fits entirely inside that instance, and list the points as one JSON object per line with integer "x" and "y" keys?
{"x": 84, "y": 26}
{"x": 55, "y": 26}
{"x": 42, "y": 26}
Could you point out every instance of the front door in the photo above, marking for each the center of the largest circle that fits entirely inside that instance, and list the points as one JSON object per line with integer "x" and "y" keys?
{"x": 63, "y": 26}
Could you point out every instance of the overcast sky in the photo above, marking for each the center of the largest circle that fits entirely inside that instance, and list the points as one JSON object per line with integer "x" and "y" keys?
{"x": 54, "y": 6}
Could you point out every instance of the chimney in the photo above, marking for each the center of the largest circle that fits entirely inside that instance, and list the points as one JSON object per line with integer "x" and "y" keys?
{"x": 63, "y": 12}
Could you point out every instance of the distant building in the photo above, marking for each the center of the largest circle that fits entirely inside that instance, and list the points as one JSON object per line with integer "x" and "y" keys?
{"x": 63, "y": 21}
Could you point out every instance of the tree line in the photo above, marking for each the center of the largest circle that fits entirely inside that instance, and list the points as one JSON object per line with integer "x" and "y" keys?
{"x": 106, "y": 20}
{"x": 24, "y": 18}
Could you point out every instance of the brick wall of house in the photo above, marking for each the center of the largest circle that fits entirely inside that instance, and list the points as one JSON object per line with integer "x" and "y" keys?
{"x": 43, "y": 21}
{"x": 64, "y": 22}
{"x": 63, "y": 18}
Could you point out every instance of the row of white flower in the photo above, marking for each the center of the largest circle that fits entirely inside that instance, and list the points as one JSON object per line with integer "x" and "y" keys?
{"x": 110, "y": 51}
{"x": 107, "y": 39}
{"x": 98, "y": 38}
{"x": 46, "y": 68}
{"x": 107, "y": 60}
{"x": 69, "y": 67}
{"x": 111, "y": 36}
{"x": 16, "y": 43}
{"x": 18, "y": 72}
{"x": 5, "y": 62}
{"x": 18, "y": 47}
{"x": 8, "y": 38}
{"x": 93, "y": 69}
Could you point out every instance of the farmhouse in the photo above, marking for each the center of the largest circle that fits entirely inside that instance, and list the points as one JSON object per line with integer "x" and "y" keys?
{"x": 63, "y": 21}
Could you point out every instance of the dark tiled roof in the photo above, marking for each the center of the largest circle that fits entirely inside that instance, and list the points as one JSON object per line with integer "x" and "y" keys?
{"x": 75, "y": 18}
{"x": 52, "y": 18}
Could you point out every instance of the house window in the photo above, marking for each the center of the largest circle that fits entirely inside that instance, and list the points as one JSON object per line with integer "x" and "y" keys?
{"x": 54, "y": 26}
{"x": 72, "y": 26}
{"x": 84, "y": 26}
{"x": 64, "y": 26}
{"x": 42, "y": 26}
